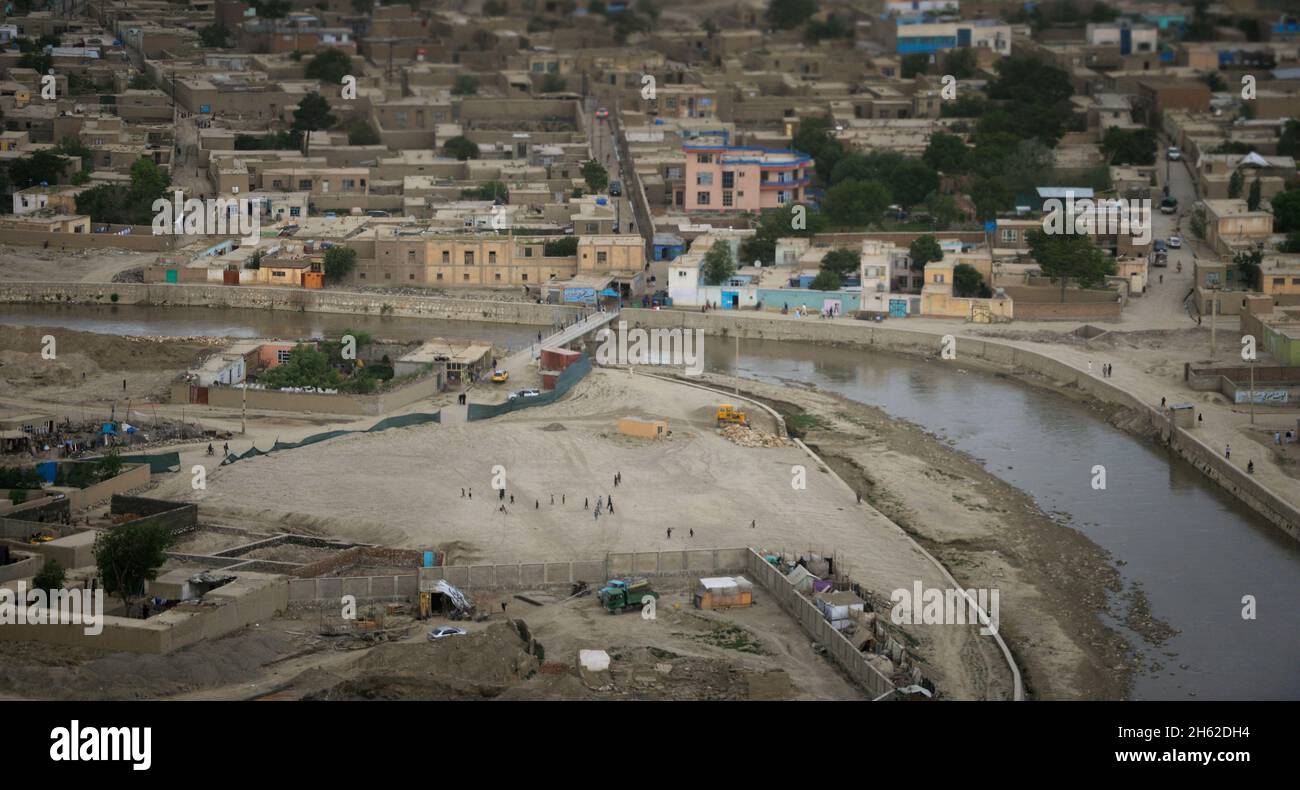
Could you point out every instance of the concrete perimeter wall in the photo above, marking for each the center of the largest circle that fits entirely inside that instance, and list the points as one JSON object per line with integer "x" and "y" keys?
{"x": 297, "y": 299}
{"x": 690, "y": 563}
{"x": 333, "y": 588}
{"x": 1183, "y": 441}
{"x": 840, "y": 649}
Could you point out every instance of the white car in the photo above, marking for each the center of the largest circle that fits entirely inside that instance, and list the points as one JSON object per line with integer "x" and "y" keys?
{"x": 1175, "y": 242}
{"x": 525, "y": 394}
{"x": 1174, "y": 154}
{"x": 445, "y": 631}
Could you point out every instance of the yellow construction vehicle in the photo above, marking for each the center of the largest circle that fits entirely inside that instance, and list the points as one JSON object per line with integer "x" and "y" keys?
{"x": 728, "y": 413}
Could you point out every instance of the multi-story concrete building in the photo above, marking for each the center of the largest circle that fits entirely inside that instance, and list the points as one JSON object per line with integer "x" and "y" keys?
{"x": 736, "y": 178}
{"x": 913, "y": 35}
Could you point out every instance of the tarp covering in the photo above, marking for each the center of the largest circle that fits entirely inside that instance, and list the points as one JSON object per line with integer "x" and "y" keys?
{"x": 402, "y": 421}
{"x": 567, "y": 378}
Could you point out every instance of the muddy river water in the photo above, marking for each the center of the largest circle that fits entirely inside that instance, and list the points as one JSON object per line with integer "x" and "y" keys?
{"x": 1193, "y": 549}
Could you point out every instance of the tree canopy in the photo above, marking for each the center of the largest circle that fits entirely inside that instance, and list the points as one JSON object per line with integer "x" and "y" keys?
{"x": 129, "y": 555}
{"x": 1070, "y": 256}
{"x": 718, "y": 264}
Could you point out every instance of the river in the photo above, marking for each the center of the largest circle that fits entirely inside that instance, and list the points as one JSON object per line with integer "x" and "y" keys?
{"x": 1194, "y": 549}
{"x": 245, "y": 323}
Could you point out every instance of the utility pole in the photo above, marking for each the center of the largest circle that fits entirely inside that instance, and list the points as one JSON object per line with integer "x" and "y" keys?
{"x": 1214, "y": 319}
{"x": 243, "y": 413}
{"x": 1252, "y": 392}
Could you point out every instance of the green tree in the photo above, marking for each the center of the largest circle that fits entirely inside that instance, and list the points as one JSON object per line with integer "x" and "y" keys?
{"x": 789, "y": 14}
{"x": 1286, "y": 211}
{"x": 1255, "y": 196}
{"x": 1070, "y": 256}
{"x": 339, "y": 262}
{"x": 1248, "y": 263}
{"x": 967, "y": 281}
{"x": 916, "y": 63}
{"x": 50, "y": 577}
{"x": 360, "y": 132}
{"x": 312, "y": 114}
{"x": 464, "y": 85}
{"x": 562, "y": 247}
{"x": 789, "y": 220}
{"x": 841, "y": 261}
{"x": 826, "y": 280}
{"x": 129, "y": 555}
{"x": 1235, "y": 182}
{"x": 215, "y": 36}
{"x": 946, "y": 153}
{"x": 718, "y": 264}
{"x": 488, "y": 190}
{"x": 330, "y": 66}
{"x": 960, "y": 63}
{"x": 306, "y": 366}
{"x": 148, "y": 183}
{"x": 461, "y": 148}
{"x": 1289, "y": 143}
{"x": 922, "y": 250}
{"x": 1129, "y": 146}
{"x": 42, "y": 167}
{"x": 856, "y": 204}
{"x": 595, "y": 175}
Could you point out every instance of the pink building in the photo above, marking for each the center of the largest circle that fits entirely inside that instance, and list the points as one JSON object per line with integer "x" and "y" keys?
{"x": 735, "y": 178}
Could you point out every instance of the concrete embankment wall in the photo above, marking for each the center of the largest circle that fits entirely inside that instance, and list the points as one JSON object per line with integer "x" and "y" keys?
{"x": 1183, "y": 441}
{"x": 308, "y": 301}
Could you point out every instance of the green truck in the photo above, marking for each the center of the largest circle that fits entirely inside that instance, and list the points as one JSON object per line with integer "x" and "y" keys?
{"x": 620, "y": 594}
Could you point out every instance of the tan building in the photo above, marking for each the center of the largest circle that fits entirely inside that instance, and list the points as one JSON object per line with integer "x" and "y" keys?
{"x": 1231, "y": 227}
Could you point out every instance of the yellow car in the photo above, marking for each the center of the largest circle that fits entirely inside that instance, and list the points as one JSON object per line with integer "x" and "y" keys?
{"x": 500, "y": 376}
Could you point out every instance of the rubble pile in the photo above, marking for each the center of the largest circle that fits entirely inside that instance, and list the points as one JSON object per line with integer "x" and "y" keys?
{"x": 751, "y": 437}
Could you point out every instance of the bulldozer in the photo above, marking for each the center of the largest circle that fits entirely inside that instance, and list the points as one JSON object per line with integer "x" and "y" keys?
{"x": 728, "y": 413}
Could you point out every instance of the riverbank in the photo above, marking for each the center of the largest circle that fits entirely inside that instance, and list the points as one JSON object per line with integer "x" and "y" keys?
{"x": 1143, "y": 378}
{"x": 1053, "y": 581}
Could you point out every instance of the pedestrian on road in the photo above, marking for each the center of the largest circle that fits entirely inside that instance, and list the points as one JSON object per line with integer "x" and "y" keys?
{"x": 585, "y": 503}
{"x": 462, "y": 493}
{"x": 537, "y": 504}
{"x": 512, "y": 499}
{"x": 1250, "y": 467}
{"x": 225, "y": 448}
{"x": 562, "y": 497}
{"x": 1090, "y": 367}
{"x": 471, "y": 496}
{"x": 753, "y": 523}
{"x": 670, "y": 533}
{"x": 502, "y": 509}
{"x": 552, "y": 499}
{"x": 1277, "y": 437}
{"x": 501, "y": 493}
{"x": 859, "y": 493}
{"x": 611, "y": 507}
{"x": 1162, "y": 403}
{"x": 1227, "y": 451}
{"x": 1200, "y": 418}
{"x": 692, "y": 532}
{"x": 503, "y": 607}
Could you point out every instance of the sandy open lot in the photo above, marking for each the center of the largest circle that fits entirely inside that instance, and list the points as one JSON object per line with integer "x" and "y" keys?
{"x": 694, "y": 480}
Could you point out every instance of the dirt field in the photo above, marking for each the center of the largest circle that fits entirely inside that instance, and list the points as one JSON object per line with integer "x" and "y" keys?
{"x": 89, "y": 368}
{"x": 693, "y": 480}
{"x": 37, "y": 264}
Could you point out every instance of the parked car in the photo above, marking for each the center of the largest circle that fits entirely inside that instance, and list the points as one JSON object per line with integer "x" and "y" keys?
{"x": 1169, "y": 205}
{"x": 602, "y": 113}
{"x": 1173, "y": 153}
{"x": 529, "y": 393}
{"x": 499, "y": 376}
{"x": 1159, "y": 245}
{"x": 444, "y": 631}
{"x": 1175, "y": 242}
{"x": 615, "y": 188}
